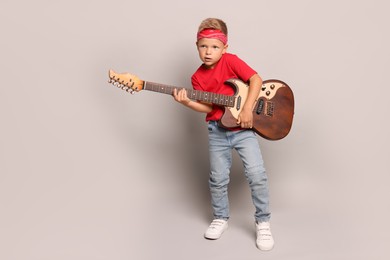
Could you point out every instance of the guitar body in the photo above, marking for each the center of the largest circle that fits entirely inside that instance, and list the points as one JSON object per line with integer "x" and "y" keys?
{"x": 273, "y": 110}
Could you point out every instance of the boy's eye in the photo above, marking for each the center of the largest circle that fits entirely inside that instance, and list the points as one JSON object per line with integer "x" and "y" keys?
{"x": 215, "y": 47}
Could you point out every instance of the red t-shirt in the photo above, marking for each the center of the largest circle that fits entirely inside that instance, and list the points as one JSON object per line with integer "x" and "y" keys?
{"x": 212, "y": 80}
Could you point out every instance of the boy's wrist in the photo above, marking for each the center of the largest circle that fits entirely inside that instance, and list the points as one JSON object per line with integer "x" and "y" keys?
{"x": 247, "y": 108}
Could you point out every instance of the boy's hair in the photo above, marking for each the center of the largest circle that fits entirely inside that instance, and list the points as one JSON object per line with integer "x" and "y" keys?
{"x": 213, "y": 23}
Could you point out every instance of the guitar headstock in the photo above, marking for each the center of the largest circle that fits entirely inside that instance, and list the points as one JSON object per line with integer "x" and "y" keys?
{"x": 125, "y": 81}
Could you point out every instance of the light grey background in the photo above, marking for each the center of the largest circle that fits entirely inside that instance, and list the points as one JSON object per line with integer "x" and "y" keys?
{"x": 90, "y": 172}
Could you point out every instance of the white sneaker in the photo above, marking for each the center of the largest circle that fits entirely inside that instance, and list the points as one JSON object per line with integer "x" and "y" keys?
{"x": 264, "y": 239}
{"x": 216, "y": 228}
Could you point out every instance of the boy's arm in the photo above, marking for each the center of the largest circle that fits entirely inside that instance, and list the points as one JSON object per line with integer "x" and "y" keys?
{"x": 245, "y": 118}
{"x": 181, "y": 97}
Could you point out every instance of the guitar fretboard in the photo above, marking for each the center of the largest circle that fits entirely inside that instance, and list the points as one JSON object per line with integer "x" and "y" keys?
{"x": 209, "y": 97}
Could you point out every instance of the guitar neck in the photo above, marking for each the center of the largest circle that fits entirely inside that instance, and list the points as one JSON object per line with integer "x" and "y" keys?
{"x": 208, "y": 97}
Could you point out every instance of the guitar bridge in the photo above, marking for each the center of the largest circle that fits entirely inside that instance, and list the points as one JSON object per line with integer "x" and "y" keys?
{"x": 270, "y": 107}
{"x": 265, "y": 107}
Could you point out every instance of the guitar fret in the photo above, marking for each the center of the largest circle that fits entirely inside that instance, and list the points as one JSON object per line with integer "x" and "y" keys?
{"x": 192, "y": 94}
{"x": 230, "y": 102}
{"x": 200, "y": 94}
{"x": 206, "y": 96}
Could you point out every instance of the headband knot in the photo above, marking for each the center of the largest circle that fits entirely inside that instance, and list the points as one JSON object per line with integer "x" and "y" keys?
{"x": 214, "y": 34}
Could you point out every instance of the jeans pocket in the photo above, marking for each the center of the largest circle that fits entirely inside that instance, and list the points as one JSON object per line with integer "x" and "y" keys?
{"x": 211, "y": 126}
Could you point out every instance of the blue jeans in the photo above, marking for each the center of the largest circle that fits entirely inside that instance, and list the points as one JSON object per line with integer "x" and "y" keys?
{"x": 221, "y": 143}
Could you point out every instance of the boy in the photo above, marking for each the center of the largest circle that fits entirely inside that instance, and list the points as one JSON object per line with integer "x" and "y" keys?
{"x": 217, "y": 67}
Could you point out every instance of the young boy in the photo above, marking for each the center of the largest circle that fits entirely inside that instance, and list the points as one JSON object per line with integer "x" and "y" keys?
{"x": 219, "y": 66}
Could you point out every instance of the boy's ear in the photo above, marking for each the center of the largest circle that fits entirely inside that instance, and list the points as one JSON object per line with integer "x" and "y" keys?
{"x": 225, "y": 48}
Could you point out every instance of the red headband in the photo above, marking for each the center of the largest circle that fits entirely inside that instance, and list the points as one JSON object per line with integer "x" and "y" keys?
{"x": 214, "y": 34}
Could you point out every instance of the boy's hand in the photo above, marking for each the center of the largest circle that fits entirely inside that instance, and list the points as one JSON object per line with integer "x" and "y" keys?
{"x": 181, "y": 96}
{"x": 245, "y": 119}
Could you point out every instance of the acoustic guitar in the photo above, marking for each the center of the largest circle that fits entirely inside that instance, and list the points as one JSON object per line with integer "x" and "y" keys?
{"x": 272, "y": 113}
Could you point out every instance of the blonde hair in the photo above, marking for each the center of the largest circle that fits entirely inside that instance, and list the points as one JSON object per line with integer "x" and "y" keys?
{"x": 213, "y": 23}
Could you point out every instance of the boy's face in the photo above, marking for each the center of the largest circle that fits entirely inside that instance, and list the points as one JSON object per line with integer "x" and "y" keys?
{"x": 210, "y": 51}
